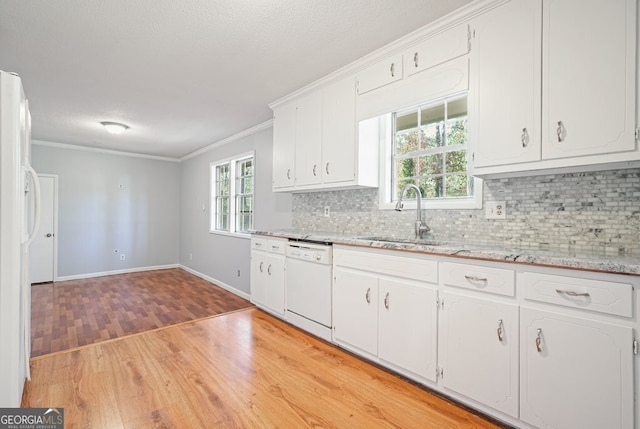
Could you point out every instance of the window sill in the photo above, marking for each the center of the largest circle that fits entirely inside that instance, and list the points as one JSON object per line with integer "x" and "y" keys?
{"x": 243, "y": 235}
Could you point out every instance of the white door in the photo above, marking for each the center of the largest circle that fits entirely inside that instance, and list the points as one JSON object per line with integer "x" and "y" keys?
{"x": 480, "y": 350}
{"x": 339, "y": 132}
{"x": 42, "y": 250}
{"x": 408, "y": 326}
{"x": 575, "y": 373}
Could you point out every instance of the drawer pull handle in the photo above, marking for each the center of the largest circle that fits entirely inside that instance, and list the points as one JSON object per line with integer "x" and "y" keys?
{"x": 275, "y": 247}
{"x": 572, "y": 293}
{"x": 500, "y": 332}
{"x": 386, "y": 301}
{"x": 539, "y": 340}
{"x": 476, "y": 278}
{"x": 368, "y": 296}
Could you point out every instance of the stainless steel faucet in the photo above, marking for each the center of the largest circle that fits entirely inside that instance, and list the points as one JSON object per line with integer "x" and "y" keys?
{"x": 420, "y": 226}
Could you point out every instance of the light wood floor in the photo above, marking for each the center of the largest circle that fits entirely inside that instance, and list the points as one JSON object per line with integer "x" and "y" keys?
{"x": 239, "y": 370}
{"x": 75, "y": 313}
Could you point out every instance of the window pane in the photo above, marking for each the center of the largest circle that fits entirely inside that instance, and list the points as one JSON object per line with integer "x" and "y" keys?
{"x": 456, "y": 161}
{"x": 406, "y": 141}
{"x": 406, "y": 168}
{"x": 458, "y": 185}
{"x": 430, "y": 164}
{"x": 222, "y": 211}
{"x": 432, "y": 126}
{"x": 431, "y": 187}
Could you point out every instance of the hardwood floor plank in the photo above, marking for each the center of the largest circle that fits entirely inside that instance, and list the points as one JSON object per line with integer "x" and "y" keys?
{"x": 76, "y": 313}
{"x": 240, "y": 370}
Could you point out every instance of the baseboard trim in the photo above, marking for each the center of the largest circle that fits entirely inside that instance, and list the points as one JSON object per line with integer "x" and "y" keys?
{"x": 223, "y": 285}
{"x": 111, "y": 273}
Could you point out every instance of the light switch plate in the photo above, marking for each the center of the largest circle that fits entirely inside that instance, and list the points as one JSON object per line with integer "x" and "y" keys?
{"x": 496, "y": 210}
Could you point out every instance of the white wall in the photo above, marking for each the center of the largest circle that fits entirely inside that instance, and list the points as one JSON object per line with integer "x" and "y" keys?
{"x": 96, "y": 215}
{"x": 216, "y": 256}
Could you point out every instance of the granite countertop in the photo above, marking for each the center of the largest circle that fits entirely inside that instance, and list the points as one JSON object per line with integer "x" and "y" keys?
{"x": 617, "y": 264}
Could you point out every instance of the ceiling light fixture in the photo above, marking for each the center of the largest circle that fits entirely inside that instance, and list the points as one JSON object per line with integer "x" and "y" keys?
{"x": 115, "y": 127}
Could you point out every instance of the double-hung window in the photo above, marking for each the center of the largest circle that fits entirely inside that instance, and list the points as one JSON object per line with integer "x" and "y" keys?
{"x": 232, "y": 187}
{"x": 427, "y": 147}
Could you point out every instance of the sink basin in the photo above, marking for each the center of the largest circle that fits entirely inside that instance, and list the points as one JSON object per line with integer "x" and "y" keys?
{"x": 422, "y": 241}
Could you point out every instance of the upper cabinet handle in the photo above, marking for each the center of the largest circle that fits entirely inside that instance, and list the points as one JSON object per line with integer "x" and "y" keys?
{"x": 415, "y": 60}
{"x": 393, "y": 69}
{"x": 367, "y": 296}
{"x": 289, "y": 174}
{"x": 326, "y": 168}
{"x": 524, "y": 138}
{"x": 560, "y": 132}
{"x": 315, "y": 169}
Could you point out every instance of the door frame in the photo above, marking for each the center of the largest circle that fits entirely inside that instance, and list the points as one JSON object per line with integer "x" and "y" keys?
{"x": 55, "y": 222}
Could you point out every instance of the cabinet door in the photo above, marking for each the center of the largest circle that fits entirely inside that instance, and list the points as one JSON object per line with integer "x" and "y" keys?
{"x": 575, "y": 373}
{"x": 380, "y": 74}
{"x": 407, "y": 335}
{"x": 339, "y": 132}
{"x": 309, "y": 139}
{"x": 258, "y": 277}
{"x": 355, "y": 309}
{"x": 505, "y": 85}
{"x": 437, "y": 49}
{"x": 480, "y": 350}
{"x": 274, "y": 289}
{"x": 589, "y": 78}
{"x": 284, "y": 139}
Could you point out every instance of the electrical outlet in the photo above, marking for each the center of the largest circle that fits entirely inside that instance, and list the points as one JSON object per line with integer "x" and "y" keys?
{"x": 327, "y": 211}
{"x": 496, "y": 210}
{"x": 238, "y": 273}
{"x": 122, "y": 256}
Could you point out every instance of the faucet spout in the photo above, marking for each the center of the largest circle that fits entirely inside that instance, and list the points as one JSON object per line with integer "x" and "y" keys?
{"x": 420, "y": 226}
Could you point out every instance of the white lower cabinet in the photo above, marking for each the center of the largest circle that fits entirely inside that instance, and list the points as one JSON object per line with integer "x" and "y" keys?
{"x": 355, "y": 309}
{"x": 479, "y": 350}
{"x": 575, "y": 373}
{"x": 267, "y": 274}
{"x": 408, "y": 323}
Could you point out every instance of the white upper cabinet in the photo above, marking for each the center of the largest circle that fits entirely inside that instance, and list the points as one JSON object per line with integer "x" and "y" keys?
{"x": 284, "y": 144}
{"x": 339, "y": 132}
{"x": 437, "y": 49}
{"x": 588, "y": 77}
{"x": 553, "y": 85}
{"x": 383, "y": 73}
{"x": 308, "y": 139}
{"x": 505, "y": 84}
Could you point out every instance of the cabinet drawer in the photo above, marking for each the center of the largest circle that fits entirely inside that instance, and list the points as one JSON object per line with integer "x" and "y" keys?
{"x": 380, "y": 74}
{"x": 277, "y": 246}
{"x": 594, "y": 295}
{"x": 475, "y": 277}
{"x": 406, "y": 266}
{"x": 259, "y": 243}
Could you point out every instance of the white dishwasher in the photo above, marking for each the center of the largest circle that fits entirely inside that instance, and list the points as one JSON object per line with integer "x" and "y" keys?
{"x": 308, "y": 286}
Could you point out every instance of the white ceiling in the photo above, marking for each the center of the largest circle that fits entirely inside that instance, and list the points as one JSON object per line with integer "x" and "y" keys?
{"x": 184, "y": 74}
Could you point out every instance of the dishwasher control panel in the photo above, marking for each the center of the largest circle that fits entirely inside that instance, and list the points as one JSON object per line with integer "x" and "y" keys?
{"x": 312, "y": 252}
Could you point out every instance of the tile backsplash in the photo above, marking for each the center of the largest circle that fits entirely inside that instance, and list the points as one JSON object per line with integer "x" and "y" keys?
{"x": 596, "y": 212}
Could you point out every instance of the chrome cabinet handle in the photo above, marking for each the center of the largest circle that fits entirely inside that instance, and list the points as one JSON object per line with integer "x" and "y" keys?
{"x": 49, "y": 235}
{"x": 289, "y": 174}
{"x": 261, "y": 265}
{"x": 368, "y": 296}
{"x": 386, "y": 301}
{"x": 524, "y": 138}
{"x": 476, "y": 278}
{"x": 269, "y": 269}
{"x": 539, "y": 340}
{"x": 393, "y": 69}
{"x": 315, "y": 169}
{"x": 560, "y": 132}
{"x": 500, "y": 332}
{"x": 415, "y": 60}
{"x": 572, "y": 293}
{"x": 326, "y": 168}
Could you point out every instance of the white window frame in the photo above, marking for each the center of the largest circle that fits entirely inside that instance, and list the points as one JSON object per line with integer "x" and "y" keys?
{"x": 385, "y": 200}
{"x": 233, "y": 200}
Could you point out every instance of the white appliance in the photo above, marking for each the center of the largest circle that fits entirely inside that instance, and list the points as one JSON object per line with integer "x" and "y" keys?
{"x": 308, "y": 287}
{"x": 19, "y": 219}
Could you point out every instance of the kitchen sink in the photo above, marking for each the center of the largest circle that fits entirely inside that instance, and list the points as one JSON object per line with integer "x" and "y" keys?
{"x": 422, "y": 241}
